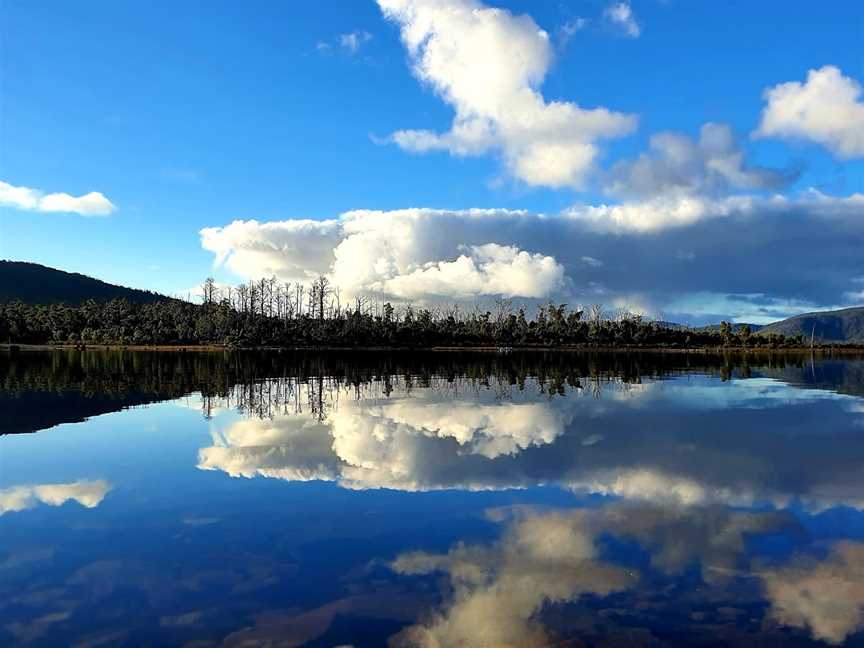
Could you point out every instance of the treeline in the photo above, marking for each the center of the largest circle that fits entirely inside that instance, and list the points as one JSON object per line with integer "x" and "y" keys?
{"x": 268, "y": 313}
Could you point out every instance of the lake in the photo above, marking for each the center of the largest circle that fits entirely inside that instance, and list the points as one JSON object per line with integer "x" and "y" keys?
{"x": 431, "y": 499}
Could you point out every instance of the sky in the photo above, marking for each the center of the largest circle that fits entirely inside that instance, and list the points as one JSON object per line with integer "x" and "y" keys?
{"x": 687, "y": 160}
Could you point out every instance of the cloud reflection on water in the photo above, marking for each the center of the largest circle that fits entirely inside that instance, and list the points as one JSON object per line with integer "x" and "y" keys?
{"x": 826, "y": 596}
{"x": 496, "y": 593}
{"x": 87, "y": 493}
{"x": 690, "y": 441}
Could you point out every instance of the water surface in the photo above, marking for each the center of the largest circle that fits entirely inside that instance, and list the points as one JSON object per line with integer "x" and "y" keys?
{"x": 430, "y": 499}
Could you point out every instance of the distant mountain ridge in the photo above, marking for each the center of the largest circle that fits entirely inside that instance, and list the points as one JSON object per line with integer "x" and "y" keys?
{"x": 33, "y": 283}
{"x": 844, "y": 325}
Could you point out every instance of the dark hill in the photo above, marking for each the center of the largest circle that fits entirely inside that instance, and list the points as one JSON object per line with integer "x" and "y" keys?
{"x": 846, "y": 325}
{"x": 37, "y": 284}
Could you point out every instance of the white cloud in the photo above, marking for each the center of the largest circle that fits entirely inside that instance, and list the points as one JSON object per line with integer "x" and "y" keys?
{"x": 569, "y": 29}
{"x": 826, "y": 109}
{"x": 679, "y": 165}
{"x": 827, "y": 597}
{"x": 489, "y": 64}
{"x": 392, "y": 253}
{"x": 354, "y": 41}
{"x": 91, "y": 204}
{"x": 591, "y": 261}
{"x": 87, "y": 493}
{"x": 665, "y": 212}
{"x": 425, "y": 254}
{"x": 489, "y": 269}
{"x": 856, "y": 295}
{"x": 350, "y": 43}
{"x": 657, "y": 213}
{"x": 293, "y": 249}
{"x": 853, "y": 296}
{"x": 622, "y": 14}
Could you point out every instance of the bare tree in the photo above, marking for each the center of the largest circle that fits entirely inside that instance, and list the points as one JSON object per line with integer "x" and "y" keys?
{"x": 209, "y": 292}
{"x": 321, "y": 290}
{"x": 243, "y": 298}
{"x": 503, "y": 310}
{"x": 289, "y": 303}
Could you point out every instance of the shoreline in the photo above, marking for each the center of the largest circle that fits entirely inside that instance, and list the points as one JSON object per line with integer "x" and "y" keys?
{"x": 213, "y": 348}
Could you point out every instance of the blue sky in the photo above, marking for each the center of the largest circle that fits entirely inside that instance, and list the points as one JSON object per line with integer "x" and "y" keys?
{"x": 192, "y": 115}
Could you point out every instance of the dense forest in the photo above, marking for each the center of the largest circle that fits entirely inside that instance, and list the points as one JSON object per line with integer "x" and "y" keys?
{"x": 269, "y": 313}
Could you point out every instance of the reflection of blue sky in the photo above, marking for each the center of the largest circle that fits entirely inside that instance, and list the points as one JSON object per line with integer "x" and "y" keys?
{"x": 703, "y": 392}
{"x": 363, "y": 515}
{"x": 119, "y": 446}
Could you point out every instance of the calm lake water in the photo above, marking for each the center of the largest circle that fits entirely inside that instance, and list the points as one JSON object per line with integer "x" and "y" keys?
{"x": 430, "y": 499}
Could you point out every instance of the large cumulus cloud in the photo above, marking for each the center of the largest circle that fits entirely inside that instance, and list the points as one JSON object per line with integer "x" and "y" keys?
{"x": 488, "y": 64}
{"x": 766, "y": 257}
{"x": 489, "y": 269}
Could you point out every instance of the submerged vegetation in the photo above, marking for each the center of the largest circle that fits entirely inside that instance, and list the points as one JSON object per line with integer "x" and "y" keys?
{"x": 269, "y": 313}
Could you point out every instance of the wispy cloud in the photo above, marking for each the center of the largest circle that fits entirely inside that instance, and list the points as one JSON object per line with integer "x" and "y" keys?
{"x": 354, "y": 41}
{"x": 569, "y": 29}
{"x": 622, "y": 15}
{"x": 350, "y": 43}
